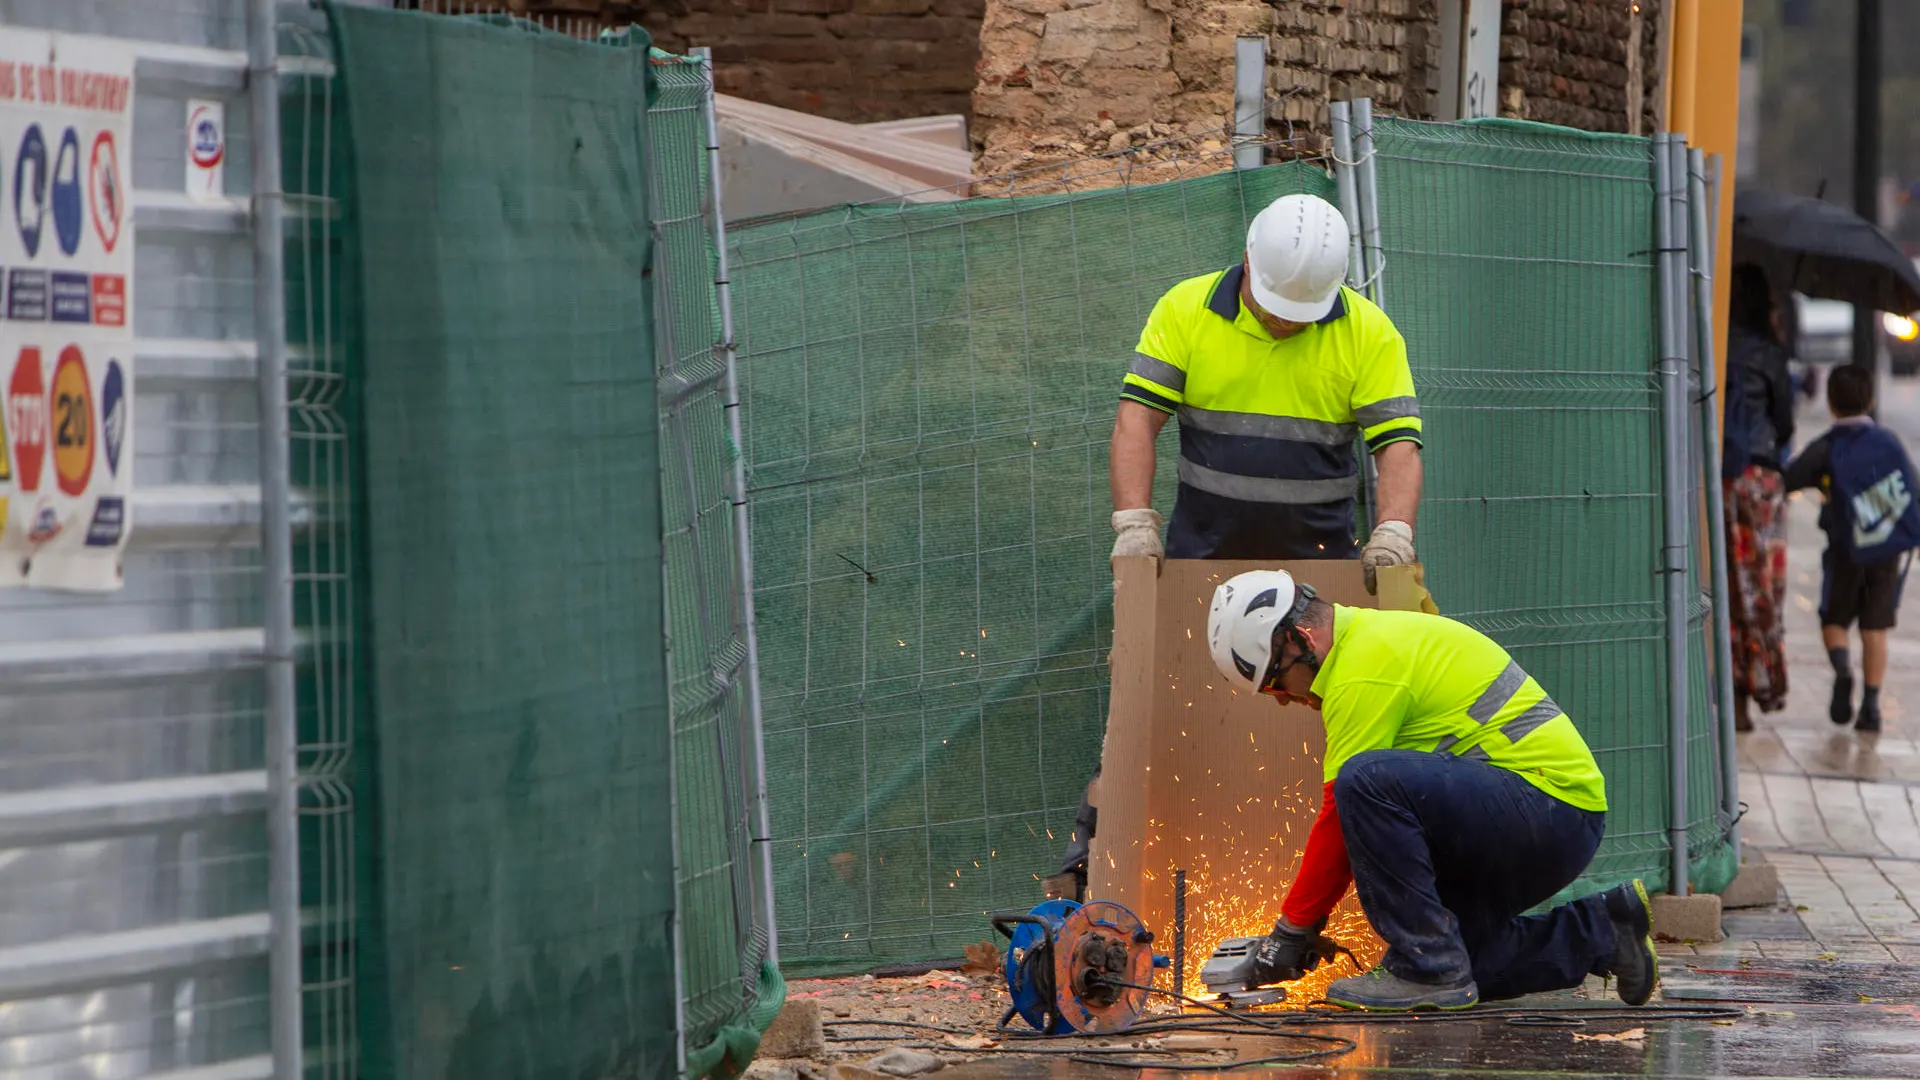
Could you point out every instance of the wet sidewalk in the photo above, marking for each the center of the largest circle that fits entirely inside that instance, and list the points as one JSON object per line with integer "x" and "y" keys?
{"x": 1837, "y": 812}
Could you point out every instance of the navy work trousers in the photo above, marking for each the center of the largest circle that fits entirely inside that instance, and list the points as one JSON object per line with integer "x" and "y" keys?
{"x": 1448, "y": 852}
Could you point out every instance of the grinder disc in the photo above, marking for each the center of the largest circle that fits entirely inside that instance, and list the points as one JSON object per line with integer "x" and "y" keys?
{"x": 1102, "y": 939}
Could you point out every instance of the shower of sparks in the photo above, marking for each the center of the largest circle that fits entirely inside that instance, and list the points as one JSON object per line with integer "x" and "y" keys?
{"x": 1238, "y": 871}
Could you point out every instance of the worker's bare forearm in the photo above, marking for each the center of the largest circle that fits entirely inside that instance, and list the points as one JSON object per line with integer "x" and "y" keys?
{"x": 1130, "y": 461}
{"x": 1400, "y": 478}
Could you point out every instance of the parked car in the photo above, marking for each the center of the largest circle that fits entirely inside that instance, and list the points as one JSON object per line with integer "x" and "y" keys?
{"x": 1826, "y": 335}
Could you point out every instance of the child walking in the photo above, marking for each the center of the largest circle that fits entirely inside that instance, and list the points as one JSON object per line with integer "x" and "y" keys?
{"x": 1871, "y": 521}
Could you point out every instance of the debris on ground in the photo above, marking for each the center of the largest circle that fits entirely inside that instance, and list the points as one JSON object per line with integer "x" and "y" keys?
{"x": 795, "y": 1032}
{"x": 875, "y": 1027}
{"x": 901, "y": 1061}
{"x": 1631, "y": 1035}
{"x": 982, "y": 959}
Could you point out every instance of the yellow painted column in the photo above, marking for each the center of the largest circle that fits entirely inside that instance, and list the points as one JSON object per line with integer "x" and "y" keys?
{"x": 1704, "y": 105}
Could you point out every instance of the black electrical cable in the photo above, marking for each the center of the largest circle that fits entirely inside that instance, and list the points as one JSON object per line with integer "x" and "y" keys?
{"x": 1272, "y": 1025}
{"x": 1268, "y": 1025}
{"x": 1332, "y": 1014}
{"x": 1335, "y": 1044}
{"x": 896, "y": 1023}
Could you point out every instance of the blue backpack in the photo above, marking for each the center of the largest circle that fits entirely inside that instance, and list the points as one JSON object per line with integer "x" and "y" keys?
{"x": 1874, "y": 488}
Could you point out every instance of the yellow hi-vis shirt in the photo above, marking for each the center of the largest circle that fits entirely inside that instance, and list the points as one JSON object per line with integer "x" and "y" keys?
{"x": 1405, "y": 680}
{"x": 1267, "y": 468}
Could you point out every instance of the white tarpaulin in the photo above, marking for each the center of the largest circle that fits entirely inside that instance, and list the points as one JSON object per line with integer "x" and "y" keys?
{"x": 66, "y": 320}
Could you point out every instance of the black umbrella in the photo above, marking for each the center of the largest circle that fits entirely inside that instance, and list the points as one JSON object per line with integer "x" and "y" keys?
{"x": 1823, "y": 250}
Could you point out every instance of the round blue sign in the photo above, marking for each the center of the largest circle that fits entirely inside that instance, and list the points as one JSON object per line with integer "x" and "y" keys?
{"x": 67, "y": 199}
{"x": 30, "y": 188}
{"x": 113, "y": 415}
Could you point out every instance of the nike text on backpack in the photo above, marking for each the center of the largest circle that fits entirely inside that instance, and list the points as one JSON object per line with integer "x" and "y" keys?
{"x": 1874, "y": 485}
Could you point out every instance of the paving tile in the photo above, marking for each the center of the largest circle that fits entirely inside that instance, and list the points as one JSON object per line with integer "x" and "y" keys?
{"x": 1796, "y": 813}
{"x": 1843, "y": 811}
{"x": 1890, "y": 811}
{"x": 1758, "y": 827}
{"x": 1791, "y": 950}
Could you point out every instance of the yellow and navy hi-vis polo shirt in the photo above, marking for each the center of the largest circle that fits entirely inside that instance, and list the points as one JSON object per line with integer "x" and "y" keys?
{"x": 1405, "y": 680}
{"x": 1267, "y": 468}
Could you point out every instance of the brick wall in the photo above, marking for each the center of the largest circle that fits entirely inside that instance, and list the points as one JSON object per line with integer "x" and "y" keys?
{"x": 1566, "y": 62}
{"x": 1060, "y": 79}
{"x": 1388, "y": 50}
{"x": 846, "y": 59}
{"x": 1056, "y": 80}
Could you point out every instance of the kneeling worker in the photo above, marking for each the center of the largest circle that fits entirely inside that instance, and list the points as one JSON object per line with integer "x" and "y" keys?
{"x": 1458, "y": 796}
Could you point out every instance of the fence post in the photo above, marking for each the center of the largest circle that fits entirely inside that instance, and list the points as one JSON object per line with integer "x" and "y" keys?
{"x": 276, "y": 542}
{"x": 1348, "y": 185}
{"x": 1341, "y": 115}
{"x": 1249, "y": 101}
{"x": 754, "y": 739}
{"x": 1371, "y": 256}
{"x": 1700, "y": 251}
{"x": 1669, "y": 165}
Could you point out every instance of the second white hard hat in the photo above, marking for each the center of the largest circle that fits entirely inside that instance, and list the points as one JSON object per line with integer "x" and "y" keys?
{"x": 1247, "y": 609}
{"x": 1297, "y": 257}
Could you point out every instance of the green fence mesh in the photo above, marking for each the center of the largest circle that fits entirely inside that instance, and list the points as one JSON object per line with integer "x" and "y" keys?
{"x": 516, "y": 916}
{"x": 1520, "y": 266}
{"x": 930, "y": 391}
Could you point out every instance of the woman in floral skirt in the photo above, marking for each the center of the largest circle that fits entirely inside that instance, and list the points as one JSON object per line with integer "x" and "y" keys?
{"x": 1757, "y": 433}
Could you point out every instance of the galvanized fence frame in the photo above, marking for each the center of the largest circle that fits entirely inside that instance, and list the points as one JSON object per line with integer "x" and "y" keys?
{"x": 160, "y": 927}
{"x": 322, "y": 457}
{"x": 724, "y": 923}
{"x": 1693, "y": 550}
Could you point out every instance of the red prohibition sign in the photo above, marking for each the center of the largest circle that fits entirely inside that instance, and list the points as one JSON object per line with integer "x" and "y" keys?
{"x": 108, "y": 205}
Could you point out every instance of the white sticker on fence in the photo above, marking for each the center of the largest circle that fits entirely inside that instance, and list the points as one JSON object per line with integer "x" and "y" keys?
{"x": 206, "y": 150}
{"x": 66, "y": 334}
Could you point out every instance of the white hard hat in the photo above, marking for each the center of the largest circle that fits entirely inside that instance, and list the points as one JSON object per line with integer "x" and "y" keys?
{"x": 1247, "y": 611}
{"x": 1297, "y": 257}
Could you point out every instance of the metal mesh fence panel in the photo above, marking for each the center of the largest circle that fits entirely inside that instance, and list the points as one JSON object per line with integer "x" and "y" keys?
{"x": 1521, "y": 269}
{"x": 929, "y": 393}
{"x": 723, "y": 941}
{"x": 517, "y": 916}
{"x": 320, "y": 415}
{"x": 134, "y": 793}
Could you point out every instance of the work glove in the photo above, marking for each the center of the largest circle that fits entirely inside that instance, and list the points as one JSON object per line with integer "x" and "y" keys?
{"x": 1139, "y": 534}
{"x": 1289, "y": 953}
{"x": 1390, "y": 545}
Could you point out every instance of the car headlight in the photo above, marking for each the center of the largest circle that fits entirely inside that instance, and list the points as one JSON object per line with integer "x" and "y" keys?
{"x": 1900, "y": 326}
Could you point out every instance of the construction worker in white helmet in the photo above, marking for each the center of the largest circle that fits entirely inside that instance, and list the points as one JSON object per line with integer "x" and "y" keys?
{"x": 1458, "y": 796}
{"x": 1274, "y": 368}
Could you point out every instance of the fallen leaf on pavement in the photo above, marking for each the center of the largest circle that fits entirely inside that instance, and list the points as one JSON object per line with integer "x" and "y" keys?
{"x": 940, "y": 980}
{"x": 1629, "y": 1035}
{"x": 982, "y": 959}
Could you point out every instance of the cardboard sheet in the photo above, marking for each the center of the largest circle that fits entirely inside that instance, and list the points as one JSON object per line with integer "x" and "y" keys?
{"x": 1197, "y": 776}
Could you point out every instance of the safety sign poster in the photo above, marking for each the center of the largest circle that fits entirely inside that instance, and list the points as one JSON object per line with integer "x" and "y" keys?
{"x": 66, "y": 310}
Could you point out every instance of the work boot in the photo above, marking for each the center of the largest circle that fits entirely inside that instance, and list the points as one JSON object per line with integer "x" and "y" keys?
{"x": 1381, "y": 990}
{"x": 1840, "y": 709}
{"x": 1635, "y": 967}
